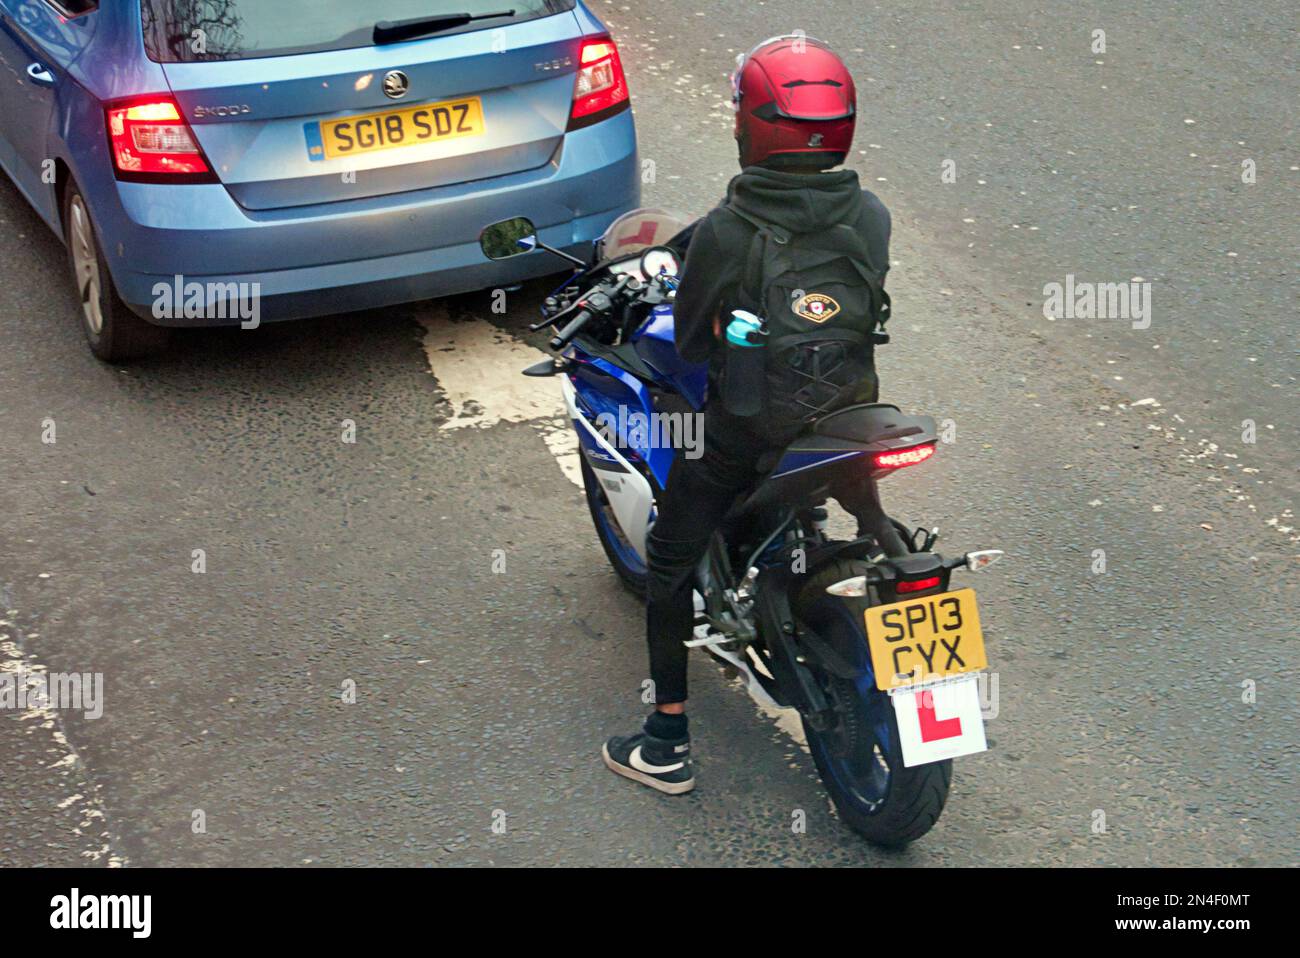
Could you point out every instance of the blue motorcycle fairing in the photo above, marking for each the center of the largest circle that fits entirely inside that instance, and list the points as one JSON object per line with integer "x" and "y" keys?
{"x": 608, "y": 394}
{"x": 798, "y": 461}
{"x": 656, "y": 343}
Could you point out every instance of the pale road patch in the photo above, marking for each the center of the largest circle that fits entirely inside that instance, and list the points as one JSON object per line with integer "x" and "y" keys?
{"x": 479, "y": 369}
{"x": 560, "y": 438}
{"x": 63, "y": 756}
{"x": 787, "y": 720}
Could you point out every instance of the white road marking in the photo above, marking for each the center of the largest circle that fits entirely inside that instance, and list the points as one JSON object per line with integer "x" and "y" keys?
{"x": 787, "y": 720}
{"x": 64, "y": 756}
{"x": 560, "y": 438}
{"x": 480, "y": 369}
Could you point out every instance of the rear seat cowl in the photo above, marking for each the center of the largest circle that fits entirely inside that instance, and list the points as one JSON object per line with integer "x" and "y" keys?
{"x": 870, "y": 422}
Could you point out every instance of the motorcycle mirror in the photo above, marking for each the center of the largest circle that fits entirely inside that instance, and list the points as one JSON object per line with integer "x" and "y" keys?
{"x": 512, "y": 237}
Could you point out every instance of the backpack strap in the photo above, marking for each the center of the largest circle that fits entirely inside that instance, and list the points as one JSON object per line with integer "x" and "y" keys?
{"x": 750, "y": 291}
{"x": 880, "y": 296}
{"x": 848, "y": 336}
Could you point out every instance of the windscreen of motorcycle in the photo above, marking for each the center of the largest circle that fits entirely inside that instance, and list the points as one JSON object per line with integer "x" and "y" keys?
{"x": 638, "y": 230}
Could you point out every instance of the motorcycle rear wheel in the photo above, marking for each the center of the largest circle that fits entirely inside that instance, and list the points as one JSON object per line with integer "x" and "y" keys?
{"x": 860, "y": 758}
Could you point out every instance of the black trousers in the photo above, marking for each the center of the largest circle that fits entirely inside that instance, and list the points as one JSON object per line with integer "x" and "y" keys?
{"x": 698, "y": 495}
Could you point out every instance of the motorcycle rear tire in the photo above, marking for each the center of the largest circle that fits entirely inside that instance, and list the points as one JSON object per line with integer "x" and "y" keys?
{"x": 912, "y": 799}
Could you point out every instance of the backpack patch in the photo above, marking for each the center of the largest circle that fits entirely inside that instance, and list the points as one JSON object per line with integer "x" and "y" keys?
{"x": 815, "y": 307}
{"x": 819, "y": 351}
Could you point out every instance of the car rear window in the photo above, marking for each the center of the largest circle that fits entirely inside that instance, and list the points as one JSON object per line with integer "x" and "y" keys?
{"x": 183, "y": 31}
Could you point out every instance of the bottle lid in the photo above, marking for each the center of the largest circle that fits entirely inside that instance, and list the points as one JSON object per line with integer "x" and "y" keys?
{"x": 741, "y": 326}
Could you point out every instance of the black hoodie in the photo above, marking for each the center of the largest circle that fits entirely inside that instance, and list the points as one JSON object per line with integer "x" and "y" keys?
{"x": 799, "y": 203}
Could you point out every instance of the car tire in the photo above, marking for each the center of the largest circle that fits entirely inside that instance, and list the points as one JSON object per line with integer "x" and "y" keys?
{"x": 113, "y": 331}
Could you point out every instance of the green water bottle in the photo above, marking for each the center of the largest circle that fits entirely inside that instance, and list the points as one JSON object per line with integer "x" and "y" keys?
{"x": 742, "y": 378}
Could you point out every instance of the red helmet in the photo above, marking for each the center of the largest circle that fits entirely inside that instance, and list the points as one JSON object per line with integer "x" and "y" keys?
{"x": 795, "y": 104}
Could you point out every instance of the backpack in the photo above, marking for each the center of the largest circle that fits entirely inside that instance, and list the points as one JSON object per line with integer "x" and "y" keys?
{"x": 824, "y": 308}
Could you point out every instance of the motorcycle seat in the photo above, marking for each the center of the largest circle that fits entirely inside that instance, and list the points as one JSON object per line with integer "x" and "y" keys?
{"x": 871, "y": 422}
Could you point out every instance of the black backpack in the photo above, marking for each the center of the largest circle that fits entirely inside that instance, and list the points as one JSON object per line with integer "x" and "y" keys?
{"x": 824, "y": 307}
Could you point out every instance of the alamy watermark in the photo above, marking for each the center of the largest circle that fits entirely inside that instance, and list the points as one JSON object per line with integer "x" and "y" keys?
{"x": 75, "y": 691}
{"x": 211, "y": 300}
{"x": 1076, "y": 300}
{"x": 75, "y": 911}
{"x": 656, "y": 430}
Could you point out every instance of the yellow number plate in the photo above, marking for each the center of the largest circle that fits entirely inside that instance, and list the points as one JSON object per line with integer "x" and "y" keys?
{"x": 430, "y": 123}
{"x": 920, "y": 640}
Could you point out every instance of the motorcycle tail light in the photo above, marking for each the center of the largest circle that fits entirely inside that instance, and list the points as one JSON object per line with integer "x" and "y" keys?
{"x": 917, "y": 585}
{"x": 897, "y": 458}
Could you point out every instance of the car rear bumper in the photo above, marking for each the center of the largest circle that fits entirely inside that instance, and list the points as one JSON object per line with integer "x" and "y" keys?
{"x": 357, "y": 254}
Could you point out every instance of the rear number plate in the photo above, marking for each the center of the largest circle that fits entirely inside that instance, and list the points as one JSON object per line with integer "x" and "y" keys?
{"x": 410, "y": 126}
{"x": 926, "y": 639}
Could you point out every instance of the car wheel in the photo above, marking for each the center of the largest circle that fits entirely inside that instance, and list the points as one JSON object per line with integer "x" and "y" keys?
{"x": 113, "y": 331}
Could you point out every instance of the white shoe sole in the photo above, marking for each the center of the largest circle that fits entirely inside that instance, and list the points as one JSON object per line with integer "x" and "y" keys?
{"x": 668, "y": 788}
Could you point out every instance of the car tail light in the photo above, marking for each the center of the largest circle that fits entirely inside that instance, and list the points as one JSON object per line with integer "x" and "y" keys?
{"x": 600, "y": 89}
{"x": 151, "y": 142}
{"x": 903, "y": 457}
{"x": 917, "y": 585}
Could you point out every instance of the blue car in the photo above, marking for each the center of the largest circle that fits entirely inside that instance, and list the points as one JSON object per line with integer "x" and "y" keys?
{"x": 222, "y": 162}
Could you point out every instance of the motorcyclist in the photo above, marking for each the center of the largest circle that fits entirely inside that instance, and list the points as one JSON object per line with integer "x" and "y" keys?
{"x": 795, "y": 104}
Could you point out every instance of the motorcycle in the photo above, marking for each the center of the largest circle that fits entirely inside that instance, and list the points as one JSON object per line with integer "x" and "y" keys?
{"x": 863, "y": 637}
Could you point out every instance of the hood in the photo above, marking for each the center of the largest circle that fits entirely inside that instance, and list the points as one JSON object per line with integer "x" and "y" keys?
{"x": 800, "y": 203}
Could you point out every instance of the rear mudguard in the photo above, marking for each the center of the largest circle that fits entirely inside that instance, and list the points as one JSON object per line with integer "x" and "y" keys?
{"x": 795, "y": 685}
{"x": 793, "y": 646}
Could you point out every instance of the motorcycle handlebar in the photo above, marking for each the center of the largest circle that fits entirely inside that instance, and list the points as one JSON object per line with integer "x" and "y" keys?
{"x": 599, "y": 300}
{"x": 574, "y": 326}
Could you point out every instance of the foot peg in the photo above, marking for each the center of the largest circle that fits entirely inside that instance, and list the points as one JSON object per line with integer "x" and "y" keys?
{"x": 709, "y": 640}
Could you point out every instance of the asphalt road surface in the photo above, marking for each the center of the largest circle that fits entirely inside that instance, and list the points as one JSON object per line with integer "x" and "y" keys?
{"x": 442, "y": 571}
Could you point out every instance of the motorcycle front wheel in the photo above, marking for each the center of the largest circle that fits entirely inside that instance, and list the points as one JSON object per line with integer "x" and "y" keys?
{"x": 859, "y": 756}
{"x": 629, "y": 566}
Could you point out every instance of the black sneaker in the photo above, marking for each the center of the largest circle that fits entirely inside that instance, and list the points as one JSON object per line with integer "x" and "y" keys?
{"x": 663, "y": 764}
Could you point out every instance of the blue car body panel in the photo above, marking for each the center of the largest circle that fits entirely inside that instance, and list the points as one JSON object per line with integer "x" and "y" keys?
{"x": 317, "y": 236}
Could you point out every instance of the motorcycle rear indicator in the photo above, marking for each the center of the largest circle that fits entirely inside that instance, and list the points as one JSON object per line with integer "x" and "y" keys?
{"x": 903, "y": 457}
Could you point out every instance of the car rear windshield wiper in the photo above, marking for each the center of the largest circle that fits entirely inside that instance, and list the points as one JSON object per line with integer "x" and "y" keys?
{"x": 389, "y": 31}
